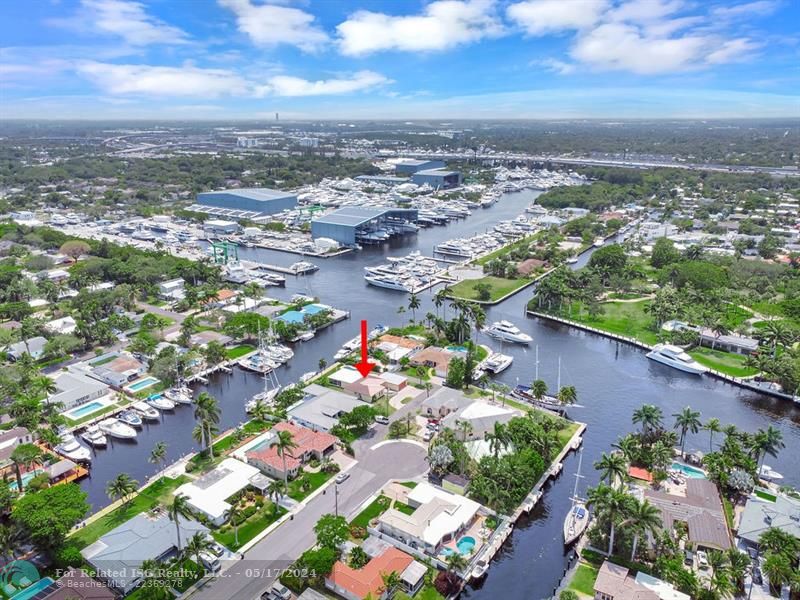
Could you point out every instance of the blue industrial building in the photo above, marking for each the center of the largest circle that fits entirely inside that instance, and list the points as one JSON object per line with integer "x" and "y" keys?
{"x": 437, "y": 178}
{"x": 408, "y": 166}
{"x": 382, "y": 179}
{"x": 351, "y": 225}
{"x": 244, "y": 203}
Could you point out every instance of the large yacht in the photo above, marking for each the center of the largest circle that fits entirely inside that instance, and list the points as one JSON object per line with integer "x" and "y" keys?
{"x": 391, "y": 283}
{"x": 508, "y": 332}
{"x": 72, "y": 449}
{"x": 674, "y": 356}
{"x": 497, "y": 362}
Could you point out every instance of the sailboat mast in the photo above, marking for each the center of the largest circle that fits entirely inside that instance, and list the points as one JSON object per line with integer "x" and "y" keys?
{"x": 537, "y": 363}
{"x": 558, "y": 385}
{"x": 577, "y": 477}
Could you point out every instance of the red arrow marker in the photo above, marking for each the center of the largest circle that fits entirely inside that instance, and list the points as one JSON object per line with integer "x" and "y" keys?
{"x": 364, "y": 367}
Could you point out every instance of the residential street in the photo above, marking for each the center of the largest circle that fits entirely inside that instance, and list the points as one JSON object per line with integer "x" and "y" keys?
{"x": 247, "y": 578}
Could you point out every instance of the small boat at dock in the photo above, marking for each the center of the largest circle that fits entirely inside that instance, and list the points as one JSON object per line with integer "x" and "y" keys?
{"x": 72, "y": 449}
{"x": 117, "y": 429}
{"x": 146, "y": 411}
{"x": 161, "y": 403}
{"x": 129, "y": 417}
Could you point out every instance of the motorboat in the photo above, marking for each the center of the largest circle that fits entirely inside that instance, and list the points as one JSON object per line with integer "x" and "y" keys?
{"x": 598, "y": 242}
{"x": 179, "y": 395}
{"x": 390, "y": 283}
{"x": 116, "y": 428}
{"x": 306, "y": 336}
{"x": 146, "y": 411}
{"x": 497, "y": 363}
{"x": 129, "y": 417}
{"x": 508, "y": 332}
{"x": 577, "y": 518}
{"x": 479, "y": 570}
{"x": 161, "y": 403}
{"x": 267, "y": 396}
{"x": 571, "y": 260}
{"x": 71, "y": 448}
{"x": 94, "y": 437}
{"x": 675, "y": 357}
{"x": 766, "y": 472}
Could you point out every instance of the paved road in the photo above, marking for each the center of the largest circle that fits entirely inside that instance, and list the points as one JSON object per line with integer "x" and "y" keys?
{"x": 246, "y": 579}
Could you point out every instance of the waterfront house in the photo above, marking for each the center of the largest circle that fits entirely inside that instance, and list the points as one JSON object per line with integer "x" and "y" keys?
{"x": 76, "y": 584}
{"x": 357, "y": 584}
{"x": 765, "y": 510}
{"x": 74, "y": 388}
{"x": 209, "y": 493}
{"x": 10, "y": 439}
{"x": 439, "y": 517}
{"x": 614, "y": 583}
{"x": 310, "y": 445}
{"x": 118, "y": 555}
{"x": 433, "y": 357}
{"x": 737, "y": 344}
{"x": 344, "y": 376}
{"x": 700, "y": 509}
{"x": 116, "y": 369}
{"x": 321, "y": 408}
{"x": 34, "y": 347}
{"x": 480, "y": 418}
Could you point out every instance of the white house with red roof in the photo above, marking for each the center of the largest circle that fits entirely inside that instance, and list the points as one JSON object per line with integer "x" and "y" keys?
{"x": 310, "y": 445}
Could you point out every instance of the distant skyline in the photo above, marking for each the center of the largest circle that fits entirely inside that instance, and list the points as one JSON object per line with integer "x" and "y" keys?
{"x": 446, "y": 59}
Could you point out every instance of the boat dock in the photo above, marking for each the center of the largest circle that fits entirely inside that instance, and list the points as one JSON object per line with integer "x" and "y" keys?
{"x": 287, "y": 270}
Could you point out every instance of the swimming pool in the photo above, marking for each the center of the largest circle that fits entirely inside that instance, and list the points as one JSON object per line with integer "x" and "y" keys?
{"x": 465, "y": 546}
{"x": 33, "y": 589}
{"x": 462, "y": 349}
{"x": 688, "y": 471}
{"x": 84, "y": 409}
{"x": 26, "y": 477}
{"x": 142, "y": 383}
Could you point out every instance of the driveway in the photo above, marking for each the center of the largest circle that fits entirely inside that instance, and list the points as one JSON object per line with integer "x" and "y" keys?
{"x": 246, "y": 579}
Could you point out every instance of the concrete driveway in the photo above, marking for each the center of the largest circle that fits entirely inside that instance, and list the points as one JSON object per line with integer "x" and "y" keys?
{"x": 262, "y": 564}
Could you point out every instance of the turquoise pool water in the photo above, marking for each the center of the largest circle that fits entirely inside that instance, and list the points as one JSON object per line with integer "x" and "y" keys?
{"x": 143, "y": 383}
{"x": 84, "y": 410}
{"x": 33, "y": 589}
{"x": 464, "y": 545}
{"x": 688, "y": 471}
{"x": 260, "y": 445}
{"x": 26, "y": 477}
{"x": 456, "y": 349}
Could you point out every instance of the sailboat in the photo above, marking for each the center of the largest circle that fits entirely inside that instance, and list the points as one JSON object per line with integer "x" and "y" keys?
{"x": 525, "y": 392}
{"x": 578, "y": 517}
{"x": 267, "y": 395}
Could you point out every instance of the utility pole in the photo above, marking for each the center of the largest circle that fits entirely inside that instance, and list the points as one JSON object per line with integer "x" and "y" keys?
{"x": 336, "y": 499}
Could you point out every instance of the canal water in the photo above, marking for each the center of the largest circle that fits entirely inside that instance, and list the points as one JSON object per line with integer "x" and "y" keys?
{"x": 612, "y": 379}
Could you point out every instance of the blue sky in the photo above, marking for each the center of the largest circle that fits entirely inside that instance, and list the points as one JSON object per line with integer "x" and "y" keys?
{"x": 446, "y": 59}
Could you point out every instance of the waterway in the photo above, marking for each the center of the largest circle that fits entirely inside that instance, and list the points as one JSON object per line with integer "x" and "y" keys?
{"x": 612, "y": 379}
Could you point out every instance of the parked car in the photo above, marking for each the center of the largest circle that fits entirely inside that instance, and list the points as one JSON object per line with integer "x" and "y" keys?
{"x": 216, "y": 549}
{"x": 278, "y": 591}
{"x": 382, "y": 419}
{"x": 752, "y": 553}
{"x": 427, "y": 435}
{"x": 342, "y": 477}
{"x": 210, "y": 562}
{"x": 702, "y": 559}
{"x": 688, "y": 558}
{"x": 757, "y": 578}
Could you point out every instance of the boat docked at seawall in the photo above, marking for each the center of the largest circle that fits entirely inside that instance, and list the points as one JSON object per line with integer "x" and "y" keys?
{"x": 130, "y": 417}
{"x": 71, "y": 448}
{"x": 117, "y": 429}
{"x": 768, "y": 473}
{"x": 146, "y": 411}
{"x": 94, "y": 437}
{"x": 497, "y": 362}
{"x": 160, "y": 403}
{"x": 179, "y": 395}
{"x": 577, "y": 518}
{"x": 525, "y": 392}
{"x": 674, "y": 356}
{"x": 388, "y": 282}
{"x": 508, "y": 332}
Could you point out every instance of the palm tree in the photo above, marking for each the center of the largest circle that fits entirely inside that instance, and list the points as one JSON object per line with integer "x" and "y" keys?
{"x": 712, "y": 426}
{"x": 739, "y": 563}
{"x": 778, "y": 570}
{"x": 439, "y": 299}
{"x": 122, "y": 487}
{"x": 661, "y": 455}
{"x": 9, "y": 541}
{"x": 567, "y": 394}
{"x": 156, "y": 585}
{"x": 768, "y": 441}
{"x": 274, "y": 490}
{"x": 203, "y": 433}
{"x": 233, "y": 514}
{"x": 643, "y": 517}
{"x": 207, "y": 412}
{"x": 413, "y": 305}
{"x": 538, "y": 389}
{"x": 391, "y": 582}
{"x": 456, "y": 562}
{"x": 158, "y": 454}
{"x": 198, "y": 544}
{"x": 610, "y": 503}
{"x": 498, "y": 438}
{"x": 629, "y": 446}
{"x": 687, "y": 420}
{"x": 284, "y": 444}
{"x": 775, "y": 333}
{"x": 259, "y": 411}
{"x": 612, "y": 468}
{"x": 179, "y": 508}
{"x": 649, "y": 416}
{"x": 27, "y": 456}
{"x": 718, "y": 328}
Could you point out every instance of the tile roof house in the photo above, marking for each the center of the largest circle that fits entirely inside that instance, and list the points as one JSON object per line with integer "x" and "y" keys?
{"x": 435, "y": 357}
{"x": 443, "y": 402}
{"x": 119, "y": 554}
{"x": 368, "y": 389}
{"x": 357, "y": 584}
{"x": 76, "y": 584}
{"x": 701, "y": 510}
{"x": 613, "y": 583}
{"x": 11, "y": 439}
{"x": 310, "y": 444}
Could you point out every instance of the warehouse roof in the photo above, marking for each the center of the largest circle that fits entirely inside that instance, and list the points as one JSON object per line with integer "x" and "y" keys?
{"x": 356, "y": 215}
{"x": 263, "y": 194}
{"x": 437, "y": 172}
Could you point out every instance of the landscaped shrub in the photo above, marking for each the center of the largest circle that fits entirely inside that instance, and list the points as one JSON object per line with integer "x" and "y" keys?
{"x": 358, "y": 532}
{"x": 446, "y": 584}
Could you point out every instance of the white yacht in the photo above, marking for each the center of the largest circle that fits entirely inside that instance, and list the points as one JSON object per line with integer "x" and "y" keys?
{"x": 508, "y": 332}
{"x": 72, "y": 449}
{"x": 598, "y": 242}
{"x": 767, "y": 472}
{"x": 497, "y": 363}
{"x": 94, "y": 437}
{"x": 391, "y": 283}
{"x": 179, "y": 395}
{"x": 146, "y": 411}
{"x": 160, "y": 403}
{"x": 130, "y": 417}
{"x": 674, "y": 356}
{"x": 116, "y": 428}
{"x": 578, "y": 517}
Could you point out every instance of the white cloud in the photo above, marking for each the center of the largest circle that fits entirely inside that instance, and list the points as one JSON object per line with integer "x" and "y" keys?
{"x": 732, "y": 50}
{"x": 556, "y": 66}
{"x": 759, "y": 8}
{"x": 645, "y": 11}
{"x": 123, "y": 18}
{"x": 443, "y": 24}
{"x": 285, "y": 85}
{"x": 187, "y": 81}
{"x": 271, "y": 25}
{"x": 539, "y": 17}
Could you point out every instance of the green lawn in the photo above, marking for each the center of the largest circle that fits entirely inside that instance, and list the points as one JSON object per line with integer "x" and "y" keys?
{"x": 383, "y": 407}
{"x": 158, "y": 492}
{"x": 765, "y": 495}
{"x": 409, "y": 484}
{"x": 375, "y": 509}
{"x": 313, "y": 481}
{"x": 239, "y": 351}
{"x": 623, "y": 318}
{"x": 506, "y": 249}
{"x": 499, "y": 287}
{"x": 583, "y": 580}
{"x": 404, "y": 508}
{"x": 192, "y": 573}
{"x": 726, "y": 362}
{"x": 250, "y": 528}
{"x": 413, "y": 376}
{"x": 95, "y": 414}
{"x": 428, "y": 592}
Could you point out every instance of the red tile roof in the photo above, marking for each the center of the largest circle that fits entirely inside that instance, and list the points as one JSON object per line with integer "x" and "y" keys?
{"x": 639, "y": 473}
{"x": 306, "y": 440}
{"x": 368, "y": 580}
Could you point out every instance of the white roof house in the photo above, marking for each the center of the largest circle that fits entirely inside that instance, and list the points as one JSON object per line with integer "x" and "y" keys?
{"x": 344, "y": 376}
{"x": 208, "y": 494}
{"x": 63, "y": 325}
{"x": 664, "y": 590}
